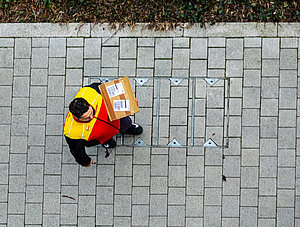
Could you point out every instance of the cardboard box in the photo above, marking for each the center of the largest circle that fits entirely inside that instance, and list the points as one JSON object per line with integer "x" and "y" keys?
{"x": 118, "y": 98}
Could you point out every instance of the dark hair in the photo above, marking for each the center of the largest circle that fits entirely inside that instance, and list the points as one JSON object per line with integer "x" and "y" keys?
{"x": 78, "y": 107}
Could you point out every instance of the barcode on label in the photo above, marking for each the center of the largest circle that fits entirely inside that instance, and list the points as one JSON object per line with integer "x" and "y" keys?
{"x": 121, "y": 105}
{"x": 115, "y": 90}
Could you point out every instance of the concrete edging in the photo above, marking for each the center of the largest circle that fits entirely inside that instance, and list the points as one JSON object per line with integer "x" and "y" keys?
{"x": 248, "y": 29}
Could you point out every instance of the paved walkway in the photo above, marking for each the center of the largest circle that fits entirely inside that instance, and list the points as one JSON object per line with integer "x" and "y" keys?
{"x": 255, "y": 181}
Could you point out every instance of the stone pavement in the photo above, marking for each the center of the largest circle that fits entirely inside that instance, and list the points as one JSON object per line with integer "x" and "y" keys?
{"x": 255, "y": 181}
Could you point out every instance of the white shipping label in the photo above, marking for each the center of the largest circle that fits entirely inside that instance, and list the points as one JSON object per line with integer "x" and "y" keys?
{"x": 121, "y": 105}
{"x": 115, "y": 90}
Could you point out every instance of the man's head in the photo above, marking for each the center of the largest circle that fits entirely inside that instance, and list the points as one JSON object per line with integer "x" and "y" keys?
{"x": 81, "y": 109}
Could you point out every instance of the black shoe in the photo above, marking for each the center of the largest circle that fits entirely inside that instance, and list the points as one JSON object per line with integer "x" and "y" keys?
{"x": 134, "y": 129}
{"x": 111, "y": 143}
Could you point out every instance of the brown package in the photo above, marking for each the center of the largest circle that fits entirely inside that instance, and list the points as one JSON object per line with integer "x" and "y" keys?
{"x": 118, "y": 98}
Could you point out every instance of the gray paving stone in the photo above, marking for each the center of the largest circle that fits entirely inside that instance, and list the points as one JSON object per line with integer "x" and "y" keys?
{"x": 140, "y": 215}
{"x": 249, "y": 177}
{"x": 145, "y": 41}
{"x": 176, "y": 196}
{"x": 250, "y": 117}
{"x": 68, "y": 214}
{"x": 286, "y": 137}
{"x": 51, "y": 203}
{"x": 123, "y": 185}
{"x": 212, "y": 216}
{"x": 162, "y": 68}
{"x": 194, "y": 206}
{"x": 270, "y": 47}
{"x": 230, "y": 206}
{"x": 127, "y": 67}
{"x": 69, "y": 174}
{"x": 159, "y": 165}
{"x": 145, "y": 57}
{"x": 252, "y": 58}
{"x": 285, "y": 198}
{"x": 198, "y": 48}
{"x": 195, "y": 166}
{"x": 38, "y": 96}
{"x": 7, "y": 42}
{"x": 267, "y": 207}
{"x": 75, "y": 42}
{"x": 231, "y": 166}
{"x": 285, "y": 216}
{"x": 248, "y": 216}
{"x": 158, "y": 205}
{"x": 19, "y": 126}
{"x": 6, "y": 57}
{"x": 105, "y": 176}
{"x": 179, "y": 97}
{"x": 19, "y": 105}
{"x": 181, "y": 58}
{"x": 234, "y": 68}
{"x": 36, "y": 135}
{"x": 16, "y": 203}
{"x": 57, "y": 47}
{"x": 84, "y": 205}
{"x": 287, "y": 98}
{"x": 270, "y": 88}
{"x": 249, "y": 197}
{"x": 123, "y": 166}
{"x": 226, "y": 222}
{"x": 158, "y": 221}
{"x": 22, "y": 48}
{"x": 110, "y": 57}
{"x": 236, "y": 87}
{"x": 288, "y": 59}
{"x": 52, "y": 183}
{"x": 231, "y": 186}
{"x": 92, "y": 67}
{"x": 17, "y": 184}
{"x": 212, "y": 196}
{"x": 21, "y": 67}
{"x": 140, "y": 195}
{"x": 181, "y": 42}
{"x": 54, "y": 125}
{"x": 213, "y": 176}
{"x": 35, "y": 174}
{"x": 250, "y": 137}
{"x": 176, "y": 216}
{"x": 216, "y": 58}
{"x": 287, "y": 118}
{"x": 163, "y": 48}
{"x": 289, "y": 43}
{"x": 4, "y": 176}
{"x": 6, "y": 93}
{"x": 286, "y": 178}
{"x": 104, "y": 195}
{"x": 234, "y": 49}
{"x": 270, "y": 68}
{"x": 128, "y": 47}
{"x": 268, "y": 126}
{"x": 288, "y": 78}
{"x": 5, "y": 112}
{"x": 122, "y": 221}
{"x": 71, "y": 191}
{"x": 37, "y": 116}
{"x": 40, "y": 42}
{"x": 252, "y": 78}
{"x": 141, "y": 175}
{"x": 4, "y": 154}
{"x": 92, "y": 48}
{"x": 250, "y": 157}
{"x": 110, "y": 41}
{"x": 15, "y": 220}
{"x": 57, "y": 66}
{"x": 74, "y": 77}
{"x": 122, "y": 205}
{"x": 269, "y": 107}
{"x": 216, "y": 42}
{"x": 21, "y": 87}
{"x": 159, "y": 185}
{"x": 74, "y": 58}
{"x": 267, "y": 186}
{"x": 251, "y": 98}
{"x": 6, "y": 76}
{"x": 141, "y": 155}
{"x": 235, "y": 126}
{"x": 266, "y": 222}
{"x": 198, "y": 68}
{"x": 39, "y": 58}
{"x": 56, "y": 85}
{"x": 39, "y": 76}
{"x": 52, "y": 163}
{"x": 50, "y": 220}
{"x": 18, "y": 164}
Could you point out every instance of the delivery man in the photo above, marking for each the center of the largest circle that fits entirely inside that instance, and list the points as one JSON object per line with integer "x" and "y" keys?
{"x": 87, "y": 124}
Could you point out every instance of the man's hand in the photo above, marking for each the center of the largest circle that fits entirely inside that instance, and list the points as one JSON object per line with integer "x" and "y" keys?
{"x": 92, "y": 162}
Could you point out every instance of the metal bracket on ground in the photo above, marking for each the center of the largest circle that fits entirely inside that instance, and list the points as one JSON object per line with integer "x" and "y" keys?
{"x": 141, "y": 81}
{"x": 210, "y": 143}
{"x": 211, "y": 81}
{"x": 174, "y": 143}
{"x": 139, "y": 143}
{"x": 176, "y": 81}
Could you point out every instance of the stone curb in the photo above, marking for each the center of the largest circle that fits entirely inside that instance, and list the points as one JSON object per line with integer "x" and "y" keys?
{"x": 104, "y": 30}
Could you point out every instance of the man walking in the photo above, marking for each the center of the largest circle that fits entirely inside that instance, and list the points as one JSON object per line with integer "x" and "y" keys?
{"x": 87, "y": 124}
